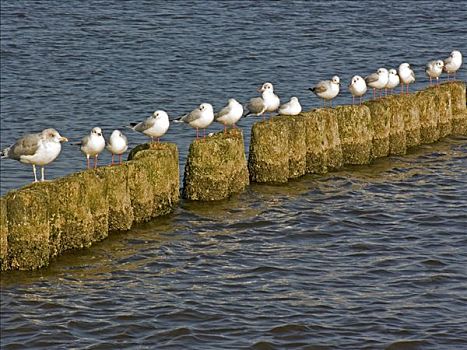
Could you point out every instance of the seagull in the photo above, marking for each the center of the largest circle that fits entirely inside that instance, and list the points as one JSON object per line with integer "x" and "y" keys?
{"x": 117, "y": 144}
{"x": 434, "y": 69}
{"x": 453, "y": 63}
{"x": 393, "y": 80}
{"x": 292, "y": 107}
{"x": 327, "y": 89}
{"x": 406, "y": 75}
{"x": 357, "y": 88}
{"x": 268, "y": 102}
{"x": 377, "y": 80}
{"x": 199, "y": 118}
{"x": 155, "y": 126}
{"x": 92, "y": 145}
{"x": 230, "y": 114}
{"x": 36, "y": 149}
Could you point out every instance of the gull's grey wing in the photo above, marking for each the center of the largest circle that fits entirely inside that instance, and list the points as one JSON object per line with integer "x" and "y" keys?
{"x": 412, "y": 74}
{"x": 371, "y": 78}
{"x": 125, "y": 138}
{"x": 255, "y": 105}
{"x": 322, "y": 86}
{"x": 84, "y": 141}
{"x": 192, "y": 116}
{"x": 25, "y": 146}
{"x": 447, "y": 60}
{"x": 144, "y": 125}
{"x": 222, "y": 112}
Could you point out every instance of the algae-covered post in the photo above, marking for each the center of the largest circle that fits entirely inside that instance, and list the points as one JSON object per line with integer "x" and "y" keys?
{"x": 296, "y": 144}
{"x": 3, "y": 234}
{"x": 457, "y": 92}
{"x": 429, "y": 116}
{"x": 216, "y": 167}
{"x": 380, "y": 122}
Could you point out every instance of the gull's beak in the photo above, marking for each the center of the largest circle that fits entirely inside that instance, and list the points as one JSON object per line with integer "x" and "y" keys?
{"x": 260, "y": 89}
{"x": 63, "y": 139}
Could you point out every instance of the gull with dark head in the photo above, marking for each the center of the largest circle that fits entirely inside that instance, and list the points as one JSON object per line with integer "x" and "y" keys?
{"x": 433, "y": 69}
{"x": 92, "y": 145}
{"x": 393, "y": 80}
{"x": 199, "y": 118}
{"x": 293, "y": 107}
{"x": 117, "y": 145}
{"x": 154, "y": 126}
{"x": 357, "y": 88}
{"x": 377, "y": 80}
{"x": 36, "y": 149}
{"x": 230, "y": 114}
{"x": 453, "y": 63}
{"x": 327, "y": 89}
{"x": 268, "y": 102}
{"x": 406, "y": 75}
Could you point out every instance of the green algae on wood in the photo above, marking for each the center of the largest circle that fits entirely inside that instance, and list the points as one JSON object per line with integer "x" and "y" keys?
{"x": 269, "y": 152}
{"x": 296, "y": 144}
{"x": 380, "y": 123}
{"x": 3, "y": 234}
{"x": 457, "y": 90}
{"x": 429, "y": 116}
{"x": 216, "y": 167}
{"x": 355, "y": 133}
{"x": 409, "y": 108}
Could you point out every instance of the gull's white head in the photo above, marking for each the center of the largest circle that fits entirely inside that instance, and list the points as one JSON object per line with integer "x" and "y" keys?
{"x": 382, "y": 71}
{"x": 404, "y": 66}
{"x": 116, "y": 133}
{"x": 392, "y": 71}
{"x": 53, "y": 135}
{"x": 335, "y": 80}
{"x": 159, "y": 114}
{"x": 96, "y": 131}
{"x": 294, "y": 99}
{"x": 356, "y": 79}
{"x": 439, "y": 64}
{"x": 266, "y": 87}
{"x": 205, "y": 107}
{"x": 456, "y": 54}
{"x": 232, "y": 101}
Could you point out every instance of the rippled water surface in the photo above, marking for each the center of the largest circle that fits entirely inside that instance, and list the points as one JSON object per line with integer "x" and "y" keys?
{"x": 365, "y": 258}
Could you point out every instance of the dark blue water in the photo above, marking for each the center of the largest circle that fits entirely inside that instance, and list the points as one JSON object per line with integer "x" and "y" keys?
{"x": 365, "y": 258}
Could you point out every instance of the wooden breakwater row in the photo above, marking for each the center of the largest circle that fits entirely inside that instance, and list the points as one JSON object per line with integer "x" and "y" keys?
{"x": 42, "y": 220}
{"x": 325, "y": 139}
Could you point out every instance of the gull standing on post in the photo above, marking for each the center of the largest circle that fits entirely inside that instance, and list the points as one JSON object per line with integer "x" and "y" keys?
{"x": 406, "y": 75}
{"x": 92, "y": 145}
{"x": 453, "y": 63}
{"x": 293, "y": 107}
{"x": 199, "y": 118}
{"x": 378, "y": 80}
{"x": 230, "y": 114}
{"x": 433, "y": 69}
{"x": 393, "y": 80}
{"x": 327, "y": 89}
{"x": 155, "y": 126}
{"x": 268, "y": 102}
{"x": 117, "y": 144}
{"x": 357, "y": 88}
{"x": 36, "y": 149}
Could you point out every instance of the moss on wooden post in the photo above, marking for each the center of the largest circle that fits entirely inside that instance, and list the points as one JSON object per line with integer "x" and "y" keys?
{"x": 3, "y": 234}
{"x": 429, "y": 116}
{"x": 457, "y": 91}
{"x": 216, "y": 167}
{"x": 380, "y": 123}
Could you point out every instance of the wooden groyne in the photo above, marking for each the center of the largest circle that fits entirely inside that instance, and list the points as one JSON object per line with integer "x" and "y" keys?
{"x": 328, "y": 138}
{"x": 42, "y": 220}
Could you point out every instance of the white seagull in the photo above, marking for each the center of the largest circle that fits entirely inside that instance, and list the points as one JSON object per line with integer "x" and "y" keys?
{"x": 230, "y": 114}
{"x": 199, "y": 118}
{"x": 377, "y": 80}
{"x": 327, "y": 89}
{"x": 268, "y": 102}
{"x": 155, "y": 126}
{"x": 36, "y": 149}
{"x": 357, "y": 88}
{"x": 453, "y": 63}
{"x": 92, "y": 145}
{"x": 117, "y": 145}
{"x": 293, "y": 107}
{"x": 406, "y": 75}
{"x": 393, "y": 80}
{"x": 433, "y": 69}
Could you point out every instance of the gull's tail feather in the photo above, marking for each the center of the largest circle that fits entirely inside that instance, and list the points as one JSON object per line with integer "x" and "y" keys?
{"x": 5, "y": 152}
{"x": 131, "y": 126}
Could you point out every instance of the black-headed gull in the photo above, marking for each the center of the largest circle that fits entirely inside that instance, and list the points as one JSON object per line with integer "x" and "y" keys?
{"x": 433, "y": 69}
{"x": 199, "y": 118}
{"x": 406, "y": 75}
{"x": 92, "y": 145}
{"x": 357, "y": 87}
{"x": 453, "y": 63}
{"x": 393, "y": 80}
{"x": 377, "y": 80}
{"x": 230, "y": 114}
{"x": 293, "y": 107}
{"x": 154, "y": 126}
{"x": 117, "y": 145}
{"x": 268, "y": 102}
{"x": 327, "y": 89}
{"x": 36, "y": 149}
